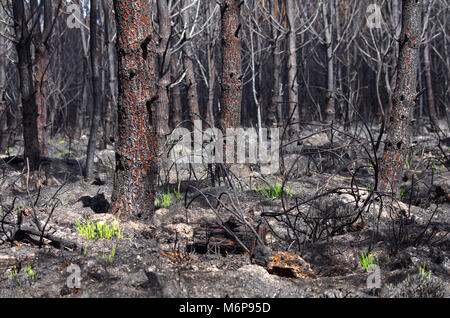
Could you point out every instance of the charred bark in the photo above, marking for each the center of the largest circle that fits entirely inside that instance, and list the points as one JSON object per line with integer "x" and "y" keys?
{"x": 32, "y": 151}
{"x": 231, "y": 81}
{"x": 136, "y": 148}
{"x": 96, "y": 89}
{"x": 400, "y": 121}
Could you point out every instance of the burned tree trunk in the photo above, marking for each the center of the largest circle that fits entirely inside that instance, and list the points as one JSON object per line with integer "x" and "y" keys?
{"x": 3, "y": 106}
{"x": 96, "y": 89}
{"x": 231, "y": 81}
{"x": 275, "y": 106}
{"x": 32, "y": 151}
{"x": 400, "y": 121}
{"x": 164, "y": 81}
{"x": 330, "y": 109}
{"x": 177, "y": 107}
{"x": 111, "y": 99}
{"x": 41, "y": 65}
{"x": 188, "y": 60}
{"x": 211, "y": 57}
{"x": 292, "y": 69}
{"x": 136, "y": 160}
{"x": 429, "y": 84}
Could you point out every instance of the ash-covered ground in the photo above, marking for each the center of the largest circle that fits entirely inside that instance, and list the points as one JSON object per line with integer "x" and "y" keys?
{"x": 313, "y": 234}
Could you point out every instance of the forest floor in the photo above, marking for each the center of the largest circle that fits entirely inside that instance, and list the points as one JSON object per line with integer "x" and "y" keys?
{"x": 310, "y": 251}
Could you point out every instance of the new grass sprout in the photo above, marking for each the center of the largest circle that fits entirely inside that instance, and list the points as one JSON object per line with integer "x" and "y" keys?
{"x": 98, "y": 230}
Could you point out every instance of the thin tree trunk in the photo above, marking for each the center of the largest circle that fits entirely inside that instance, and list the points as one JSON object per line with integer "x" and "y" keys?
{"x": 164, "y": 57}
{"x": 103, "y": 102}
{"x": 188, "y": 60}
{"x": 292, "y": 69}
{"x": 275, "y": 106}
{"x": 41, "y": 73}
{"x": 399, "y": 126}
{"x": 136, "y": 147}
{"x": 177, "y": 109}
{"x": 111, "y": 99}
{"x": 395, "y": 52}
{"x": 96, "y": 89}
{"x": 429, "y": 85}
{"x": 3, "y": 106}
{"x": 330, "y": 110}
{"x": 255, "y": 94}
{"x": 211, "y": 55}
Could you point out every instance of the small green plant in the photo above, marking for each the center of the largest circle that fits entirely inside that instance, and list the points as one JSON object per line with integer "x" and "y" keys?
{"x": 13, "y": 273}
{"x": 178, "y": 194}
{"x": 98, "y": 230}
{"x": 273, "y": 191}
{"x": 424, "y": 277}
{"x": 367, "y": 259}
{"x": 30, "y": 272}
{"x": 9, "y": 151}
{"x": 112, "y": 254}
{"x": 64, "y": 153}
{"x": 401, "y": 194}
{"x": 164, "y": 200}
{"x": 61, "y": 142}
{"x": 407, "y": 165}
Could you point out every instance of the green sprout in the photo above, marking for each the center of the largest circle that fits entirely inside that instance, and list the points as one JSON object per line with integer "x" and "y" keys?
{"x": 13, "y": 273}
{"x": 273, "y": 191}
{"x": 9, "y": 151}
{"x": 64, "y": 153}
{"x": 164, "y": 201}
{"x": 30, "y": 272}
{"x": 177, "y": 192}
{"x": 112, "y": 254}
{"x": 367, "y": 260}
{"x": 424, "y": 278}
{"x": 98, "y": 230}
{"x": 407, "y": 165}
{"x": 401, "y": 194}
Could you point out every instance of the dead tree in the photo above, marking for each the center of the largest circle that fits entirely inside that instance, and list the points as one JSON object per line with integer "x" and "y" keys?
{"x": 400, "y": 120}
{"x": 96, "y": 88}
{"x": 23, "y": 40}
{"x": 164, "y": 79}
{"x": 40, "y": 41}
{"x": 188, "y": 61}
{"x": 3, "y": 105}
{"x": 231, "y": 80}
{"x": 136, "y": 147}
{"x": 111, "y": 99}
{"x": 427, "y": 66}
{"x": 292, "y": 68}
{"x": 276, "y": 105}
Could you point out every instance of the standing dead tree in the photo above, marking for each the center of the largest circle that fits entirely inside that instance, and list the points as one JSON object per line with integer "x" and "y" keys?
{"x": 96, "y": 88}
{"x": 400, "y": 121}
{"x": 136, "y": 147}
{"x": 231, "y": 80}
{"x": 23, "y": 40}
